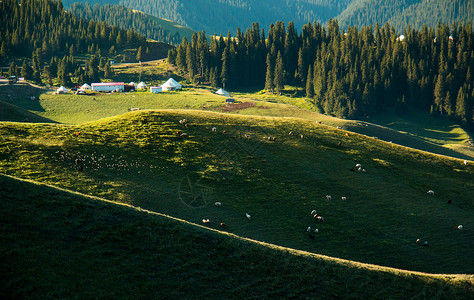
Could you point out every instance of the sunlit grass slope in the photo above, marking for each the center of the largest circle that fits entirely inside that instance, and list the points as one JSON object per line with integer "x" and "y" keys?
{"x": 62, "y": 245}
{"x": 138, "y": 159}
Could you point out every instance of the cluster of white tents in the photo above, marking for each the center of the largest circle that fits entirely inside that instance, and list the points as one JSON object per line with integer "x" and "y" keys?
{"x": 169, "y": 85}
{"x": 140, "y": 86}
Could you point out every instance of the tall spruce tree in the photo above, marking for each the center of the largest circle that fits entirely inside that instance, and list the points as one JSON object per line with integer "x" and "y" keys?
{"x": 269, "y": 85}
{"x": 279, "y": 77}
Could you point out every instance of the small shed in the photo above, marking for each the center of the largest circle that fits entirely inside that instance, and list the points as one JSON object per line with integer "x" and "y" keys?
{"x": 141, "y": 86}
{"x": 61, "y": 90}
{"x": 156, "y": 89}
{"x": 85, "y": 86}
{"x": 230, "y": 100}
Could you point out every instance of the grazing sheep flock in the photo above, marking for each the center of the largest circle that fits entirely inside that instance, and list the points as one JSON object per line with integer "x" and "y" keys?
{"x": 315, "y": 216}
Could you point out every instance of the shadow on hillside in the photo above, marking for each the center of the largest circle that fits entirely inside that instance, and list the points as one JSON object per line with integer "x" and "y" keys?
{"x": 22, "y": 95}
{"x": 17, "y": 101}
{"x": 391, "y": 135}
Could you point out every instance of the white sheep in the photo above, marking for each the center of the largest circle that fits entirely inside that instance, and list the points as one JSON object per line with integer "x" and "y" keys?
{"x": 328, "y": 197}
{"x": 358, "y": 166}
{"x": 214, "y": 129}
{"x": 206, "y": 221}
{"x": 316, "y": 230}
{"x": 343, "y": 198}
{"x": 217, "y": 204}
{"x": 430, "y": 192}
{"x": 247, "y": 136}
{"x": 313, "y": 212}
{"x": 466, "y": 162}
{"x": 308, "y": 229}
{"x": 248, "y": 216}
{"x": 460, "y": 227}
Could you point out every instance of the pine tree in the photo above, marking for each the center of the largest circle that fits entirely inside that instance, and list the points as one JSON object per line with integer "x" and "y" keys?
{"x": 46, "y": 76}
{"x": 191, "y": 61}
{"x": 26, "y": 71}
{"x": 12, "y": 70}
{"x": 94, "y": 69}
{"x": 462, "y": 106}
{"x": 279, "y": 77}
{"x": 225, "y": 67}
{"x": 107, "y": 70}
{"x": 139, "y": 56}
{"x": 439, "y": 94}
{"x": 269, "y": 86}
{"x": 309, "y": 83}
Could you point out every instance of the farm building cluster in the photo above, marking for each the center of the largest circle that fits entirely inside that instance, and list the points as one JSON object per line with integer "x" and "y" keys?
{"x": 107, "y": 87}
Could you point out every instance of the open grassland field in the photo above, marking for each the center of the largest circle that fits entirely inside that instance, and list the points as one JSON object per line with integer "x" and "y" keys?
{"x": 77, "y": 109}
{"x": 138, "y": 159}
{"x": 60, "y": 244}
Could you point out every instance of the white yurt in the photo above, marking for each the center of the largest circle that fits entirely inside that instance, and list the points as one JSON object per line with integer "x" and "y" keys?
{"x": 61, "y": 90}
{"x": 222, "y": 93}
{"x": 171, "y": 85}
{"x": 134, "y": 84}
{"x": 156, "y": 89}
{"x": 85, "y": 86}
{"x": 141, "y": 86}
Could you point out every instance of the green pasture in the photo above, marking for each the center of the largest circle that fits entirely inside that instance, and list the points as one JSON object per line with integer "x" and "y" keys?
{"x": 139, "y": 159}
{"x": 60, "y": 244}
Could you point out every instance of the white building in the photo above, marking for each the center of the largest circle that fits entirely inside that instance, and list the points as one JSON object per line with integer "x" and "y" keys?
{"x": 156, "y": 89}
{"x": 108, "y": 86}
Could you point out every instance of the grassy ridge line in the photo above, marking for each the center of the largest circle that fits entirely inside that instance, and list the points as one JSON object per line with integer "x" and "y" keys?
{"x": 117, "y": 239}
{"x": 278, "y": 185}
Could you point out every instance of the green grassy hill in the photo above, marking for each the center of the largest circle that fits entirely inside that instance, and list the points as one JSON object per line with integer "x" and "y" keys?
{"x": 60, "y": 244}
{"x": 138, "y": 159}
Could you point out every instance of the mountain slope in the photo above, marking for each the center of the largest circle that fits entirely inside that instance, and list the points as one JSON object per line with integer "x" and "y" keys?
{"x": 138, "y": 159}
{"x": 117, "y": 15}
{"x": 400, "y": 13}
{"x": 60, "y": 244}
{"x": 221, "y": 16}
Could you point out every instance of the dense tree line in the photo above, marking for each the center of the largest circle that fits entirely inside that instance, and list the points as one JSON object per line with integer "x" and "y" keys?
{"x": 349, "y": 74}
{"x": 219, "y": 16}
{"x": 126, "y": 18}
{"x": 50, "y": 39}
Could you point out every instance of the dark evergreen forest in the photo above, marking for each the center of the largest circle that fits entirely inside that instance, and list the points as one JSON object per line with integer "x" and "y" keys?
{"x": 220, "y": 16}
{"x": 123, "y": 17}
{"x": 350, "y": 74}
{"x": 51, "y": 39}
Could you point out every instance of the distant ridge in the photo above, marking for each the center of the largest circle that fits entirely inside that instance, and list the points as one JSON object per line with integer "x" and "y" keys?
{"x": 117, "y": 15}
{"x": 219, "y": 17}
